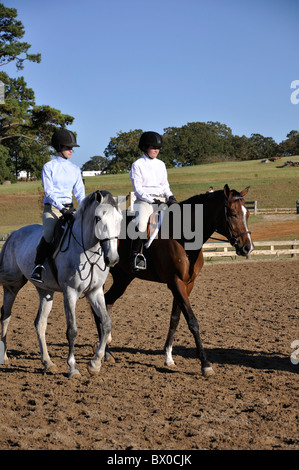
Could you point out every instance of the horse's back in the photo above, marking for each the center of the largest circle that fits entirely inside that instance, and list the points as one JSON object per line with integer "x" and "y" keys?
{"x": 18, "y": 253}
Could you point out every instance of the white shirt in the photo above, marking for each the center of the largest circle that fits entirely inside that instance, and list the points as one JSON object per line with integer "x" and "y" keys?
{"x": 149, "y": 179}
{"x": 60, "y": 178}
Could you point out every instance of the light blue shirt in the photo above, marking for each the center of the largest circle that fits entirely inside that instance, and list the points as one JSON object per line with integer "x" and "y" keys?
{"x": 60, "y": 179}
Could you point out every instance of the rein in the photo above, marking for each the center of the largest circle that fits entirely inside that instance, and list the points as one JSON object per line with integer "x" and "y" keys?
{"x": 70, "y": 233}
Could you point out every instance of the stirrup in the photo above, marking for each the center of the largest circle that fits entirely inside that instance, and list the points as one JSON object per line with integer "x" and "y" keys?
{"x": 38, "y": 275}
{"x": 139, "y": 262}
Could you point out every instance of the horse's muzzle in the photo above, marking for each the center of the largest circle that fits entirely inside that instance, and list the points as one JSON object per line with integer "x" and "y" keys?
{"x": 109, "y": 247}
{"x": 110, "y": 262}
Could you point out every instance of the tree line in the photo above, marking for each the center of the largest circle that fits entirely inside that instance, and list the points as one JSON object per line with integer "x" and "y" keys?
{"x": 26, "y": 128}
{"x": 193, "y": 144}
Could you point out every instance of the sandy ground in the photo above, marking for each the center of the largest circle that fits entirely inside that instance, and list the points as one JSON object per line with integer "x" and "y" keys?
{"x": 248, "y": 316}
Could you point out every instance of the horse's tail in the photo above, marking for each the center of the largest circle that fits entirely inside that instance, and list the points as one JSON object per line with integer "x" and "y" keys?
{"x": 5, "y": 276}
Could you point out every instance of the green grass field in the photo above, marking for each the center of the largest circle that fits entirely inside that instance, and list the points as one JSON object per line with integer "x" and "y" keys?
{"x": 21, "y": 203}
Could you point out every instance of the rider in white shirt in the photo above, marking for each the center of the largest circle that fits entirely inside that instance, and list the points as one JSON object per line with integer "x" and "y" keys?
{"x": 60, "y": 179}
{"x": 150, "y": 183}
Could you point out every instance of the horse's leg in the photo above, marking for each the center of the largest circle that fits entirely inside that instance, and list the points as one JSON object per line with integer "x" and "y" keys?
{"x": 97, "y": 302}
{"x": 174, "y": 321}
{"x": 120, "y": 283}
{"x": 180, "y": 292}
{"x": 9, "y": 295}
{"x": 45, "y": 306}
{"x": 70, "y": 300}
{"x": 121, "y": 280}
{"x": 108, "y": 354}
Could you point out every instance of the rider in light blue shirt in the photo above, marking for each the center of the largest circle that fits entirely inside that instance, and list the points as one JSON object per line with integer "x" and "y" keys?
{"x": 60, "y": 179}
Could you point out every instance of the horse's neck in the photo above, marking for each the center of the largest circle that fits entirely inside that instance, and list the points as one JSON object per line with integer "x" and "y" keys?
{"x": 83, "y": 235}
{"x": 211, "y": 208}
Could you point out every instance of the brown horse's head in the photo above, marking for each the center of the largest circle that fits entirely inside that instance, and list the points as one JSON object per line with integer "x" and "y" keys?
{"x": 236, "y": 218}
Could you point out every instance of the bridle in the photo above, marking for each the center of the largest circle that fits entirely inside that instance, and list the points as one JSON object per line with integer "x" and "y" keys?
{"x": 102, "y": 240}
{"x": 232, "y": 239}
{"x": 70, "y": 233}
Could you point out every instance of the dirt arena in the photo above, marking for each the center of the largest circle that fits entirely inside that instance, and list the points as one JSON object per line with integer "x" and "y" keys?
{"x": 248, "y": 316}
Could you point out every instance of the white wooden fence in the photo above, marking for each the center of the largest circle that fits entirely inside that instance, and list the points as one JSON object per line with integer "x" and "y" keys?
{"x": 252, "y": 207}
{"x": 225, "y": 250}
{"x": 274, "y": 248}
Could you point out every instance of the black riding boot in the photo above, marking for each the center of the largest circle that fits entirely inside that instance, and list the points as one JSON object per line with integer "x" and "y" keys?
{"x": 137, "y": 259}
{"x": 41, "y": 254}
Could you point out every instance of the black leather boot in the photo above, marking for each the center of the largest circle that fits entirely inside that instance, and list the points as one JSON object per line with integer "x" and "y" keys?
{"x": 41, "y": 254}
{"x": 137, "y": 259}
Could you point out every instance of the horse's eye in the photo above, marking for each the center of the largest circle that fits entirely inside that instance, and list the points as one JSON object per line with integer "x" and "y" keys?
{"x": 233, "y": 215}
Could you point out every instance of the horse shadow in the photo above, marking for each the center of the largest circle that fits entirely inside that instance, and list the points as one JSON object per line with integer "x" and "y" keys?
{"x": 267, "y": 361}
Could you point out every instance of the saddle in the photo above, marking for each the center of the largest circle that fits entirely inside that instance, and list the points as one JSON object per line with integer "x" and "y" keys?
{"x": 60, "y": 232}
{"x": 61, "y": 229}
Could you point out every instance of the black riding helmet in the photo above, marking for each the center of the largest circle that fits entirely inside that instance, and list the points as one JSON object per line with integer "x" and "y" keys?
{"x": 150, "y": 139}
{"x": 63, "y": 138}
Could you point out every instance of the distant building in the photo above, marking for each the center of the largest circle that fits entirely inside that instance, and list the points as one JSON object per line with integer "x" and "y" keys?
{"x": 91, "y": 173}
{"x": 23, "y": 175}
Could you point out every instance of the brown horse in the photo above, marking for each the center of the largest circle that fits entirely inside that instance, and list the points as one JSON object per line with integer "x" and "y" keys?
{"x": 168, "y": 262}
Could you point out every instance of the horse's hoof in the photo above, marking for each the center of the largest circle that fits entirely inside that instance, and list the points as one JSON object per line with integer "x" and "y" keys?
{"x": 170, "y": 364}
{"x": 51, "y": 369}
{"x": 74, "y": 375}
{"x": 92, "y": 370}
{"x": 207, "y": 372}
{"x": 109, "y": 359}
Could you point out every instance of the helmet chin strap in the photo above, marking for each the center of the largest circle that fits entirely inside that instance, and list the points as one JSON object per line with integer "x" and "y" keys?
{"x": 62, "y": 155}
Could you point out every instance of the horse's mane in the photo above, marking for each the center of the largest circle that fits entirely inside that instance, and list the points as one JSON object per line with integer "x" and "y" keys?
{"x": 88, "y": 200}
{"x": 203, "y": 198}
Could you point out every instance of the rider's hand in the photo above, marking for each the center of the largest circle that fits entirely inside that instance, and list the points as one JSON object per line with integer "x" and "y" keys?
{"x": 157, "y": 202}
{"x": 171, "y": 200}
{"x": 67, "y": 213}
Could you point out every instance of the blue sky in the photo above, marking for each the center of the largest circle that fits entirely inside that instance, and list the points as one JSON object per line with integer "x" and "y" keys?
{"x": 117, "y": 65}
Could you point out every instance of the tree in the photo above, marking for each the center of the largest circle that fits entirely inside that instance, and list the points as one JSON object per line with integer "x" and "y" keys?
{"x": 290, "y": 146}
{"x": 11, "y": 48}
{"x": 25, "y": 128}
{"x": 5, "y": 173}
{"x": 262, "y": 147}
{"x": 123, "y": 150}
{"x": 196, "y": 143}
{"x": 96, "y": 163}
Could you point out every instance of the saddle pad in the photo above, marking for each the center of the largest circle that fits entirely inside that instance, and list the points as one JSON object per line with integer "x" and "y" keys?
{"x": 154, "y": 226}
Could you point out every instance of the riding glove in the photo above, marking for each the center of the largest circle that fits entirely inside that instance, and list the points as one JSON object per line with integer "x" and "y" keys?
{"x": 171, "y": 200}
{"x": 68, "y": 213}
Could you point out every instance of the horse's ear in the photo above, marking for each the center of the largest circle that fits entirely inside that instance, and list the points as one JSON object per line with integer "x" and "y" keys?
{"x": 98, "y": 196}
{"x": 226, "y": 191}
{"x": 245, "y": 191}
